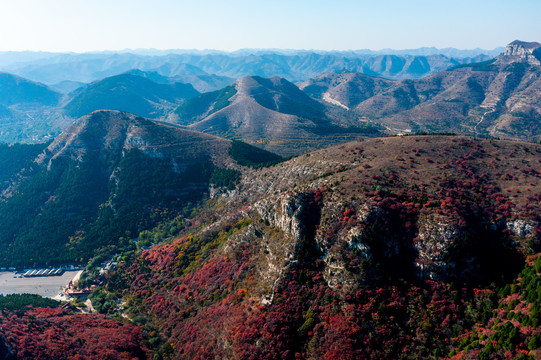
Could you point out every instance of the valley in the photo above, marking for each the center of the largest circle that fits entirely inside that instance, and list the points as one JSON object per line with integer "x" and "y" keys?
{"x": 293, "y": 212}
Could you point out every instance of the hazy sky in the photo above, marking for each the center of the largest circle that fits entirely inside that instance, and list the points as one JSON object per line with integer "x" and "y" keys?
{"x": 87, "y": 25}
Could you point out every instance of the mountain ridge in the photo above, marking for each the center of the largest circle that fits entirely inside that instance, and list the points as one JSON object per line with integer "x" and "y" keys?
{"x": 314, "y": 256}
{"x": 494, "y": 98}
{"x": 130, "y": 93}
{"x": 274, "y": 114}
{"x": 294, "y": 67}
{"x": 107, "y": 167}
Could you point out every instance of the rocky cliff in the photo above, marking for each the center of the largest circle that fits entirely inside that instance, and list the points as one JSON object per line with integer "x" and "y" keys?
{"x": 384, "y": 241}
{"x": 521, "y": 51}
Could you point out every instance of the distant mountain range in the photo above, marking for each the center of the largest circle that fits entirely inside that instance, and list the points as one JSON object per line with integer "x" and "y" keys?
{"x": 497, "y": 97}
{"x": 292, "y": 65}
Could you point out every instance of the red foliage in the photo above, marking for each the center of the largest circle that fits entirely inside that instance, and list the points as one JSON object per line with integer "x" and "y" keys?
{"x": 53, "y": 333}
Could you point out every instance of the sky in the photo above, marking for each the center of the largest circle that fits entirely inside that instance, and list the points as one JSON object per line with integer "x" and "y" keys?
{"x": 94, "y": 25}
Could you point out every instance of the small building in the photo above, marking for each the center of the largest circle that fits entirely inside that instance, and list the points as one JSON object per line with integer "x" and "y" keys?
{"x": 488, "y": 105}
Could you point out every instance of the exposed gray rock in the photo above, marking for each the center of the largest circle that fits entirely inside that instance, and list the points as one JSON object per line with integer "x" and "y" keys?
{"x": 521, "y": 227}
{"x": 283, "y": 213}
{"x": 436, "y": 235}
{"x": 521, "y": 51}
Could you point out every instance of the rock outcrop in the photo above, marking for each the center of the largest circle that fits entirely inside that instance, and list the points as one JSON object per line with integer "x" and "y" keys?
{"x": 521, "y": 51}
{"x": 436, "y": 235}
{"x": 342, "y": 238}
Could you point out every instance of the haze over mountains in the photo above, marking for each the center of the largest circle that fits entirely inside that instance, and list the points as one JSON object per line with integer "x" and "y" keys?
{"x": 292, "y": 65}
{"x": 495, "y": 98}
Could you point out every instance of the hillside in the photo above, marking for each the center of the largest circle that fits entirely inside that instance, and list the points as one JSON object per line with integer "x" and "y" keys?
{"x": 131, "y": 93}
{"x": 384, "y": 248}
{"x": 15, "y": 90}
{"x": 14, "y": 158}
{"x": 4, "y": 112}
{"x": 346, "y": 90}
{"x": 27, "y": 110}
{"x": 495, "y": 98}
{"x": 271, "y": 113}
{"x": 43, "y": 332}
{"x": 205, "y": 83}
{"x": 104, "y": 179}
{"x": 201, "y": 106}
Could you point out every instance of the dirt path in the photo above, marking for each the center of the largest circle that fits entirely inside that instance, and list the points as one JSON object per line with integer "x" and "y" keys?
{"x": 329, "y": 99}
{"x": 480, "y": 121}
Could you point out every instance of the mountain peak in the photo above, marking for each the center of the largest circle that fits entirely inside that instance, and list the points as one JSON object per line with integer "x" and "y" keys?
{"x": 522, "y": 51}
{"x": 519, "y": 45}
{"x": 101, "y": 129}
{"x": 111, "y": 131}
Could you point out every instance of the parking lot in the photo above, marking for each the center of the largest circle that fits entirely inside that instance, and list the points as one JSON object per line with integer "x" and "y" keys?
{"x": 50, "y": 286}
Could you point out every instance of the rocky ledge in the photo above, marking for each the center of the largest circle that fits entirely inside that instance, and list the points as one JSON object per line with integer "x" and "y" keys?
{"x": 523, "y": 51}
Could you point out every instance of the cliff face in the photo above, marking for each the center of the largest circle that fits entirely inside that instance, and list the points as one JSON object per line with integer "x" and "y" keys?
{"x": 427, "y": 240}
{"x": 520, "y": 51}
{"x": 343, "y": 243}
{"x": 518, "y": 47}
